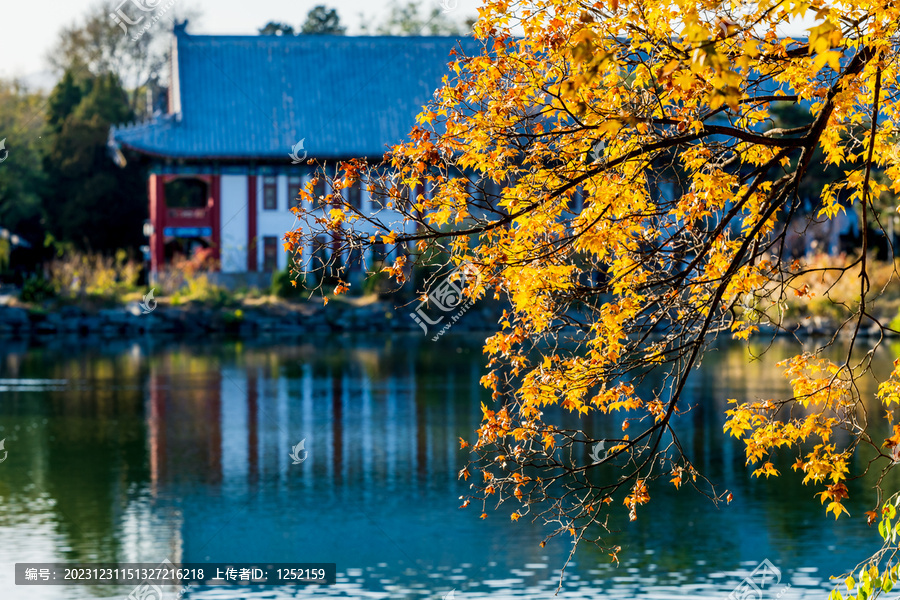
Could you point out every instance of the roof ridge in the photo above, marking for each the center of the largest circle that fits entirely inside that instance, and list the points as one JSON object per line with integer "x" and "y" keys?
{"x": 155, "y": 119}
{"x": 243, "y": 96}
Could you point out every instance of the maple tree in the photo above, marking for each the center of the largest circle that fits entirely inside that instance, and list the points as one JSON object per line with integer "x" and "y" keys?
{"x": 613, "y": 171}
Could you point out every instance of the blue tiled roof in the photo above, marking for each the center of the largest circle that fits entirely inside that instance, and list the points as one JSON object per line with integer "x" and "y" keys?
{"x": 254, "y": 97}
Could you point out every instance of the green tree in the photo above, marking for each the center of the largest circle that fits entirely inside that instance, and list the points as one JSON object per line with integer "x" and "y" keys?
{"x": 89, "y": 201}
{"x": 22, "y": 119}
{"x": 322, "y": 20}
{"x": 95, "y": 45}
{"x": 275, "y": 28}
{"x": 66, "y": 95}
{"x": 406, "y": 19}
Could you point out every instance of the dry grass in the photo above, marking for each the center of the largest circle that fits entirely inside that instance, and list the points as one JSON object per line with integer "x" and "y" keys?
{"x": 830, "y": 287}
{"x": 80, "y": 275}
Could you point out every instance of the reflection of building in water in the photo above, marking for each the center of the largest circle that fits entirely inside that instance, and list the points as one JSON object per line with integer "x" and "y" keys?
{"x": 184, "y": 427}
{"x": 381, "y": 431}
{"x": 150, "y": 533}
{"x": 235, "y": 426}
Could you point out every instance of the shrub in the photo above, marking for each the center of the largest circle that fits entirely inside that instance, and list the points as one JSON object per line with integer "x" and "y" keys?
{"x": 190, "y": 280}
{"x": 895, "y": 322}
{"x": 377, "y": 283}
{"x": 282, "y": 286}
{"x": 831, "y": 288}
{"x": 75, "y": 273}
{"x": 37, "y": 289}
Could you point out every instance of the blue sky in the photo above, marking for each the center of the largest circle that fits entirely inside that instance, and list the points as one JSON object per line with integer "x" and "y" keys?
{"x": 29, "y": 28}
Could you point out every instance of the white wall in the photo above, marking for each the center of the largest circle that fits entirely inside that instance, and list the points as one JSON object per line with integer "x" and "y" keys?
{"x": 233, "y": 219}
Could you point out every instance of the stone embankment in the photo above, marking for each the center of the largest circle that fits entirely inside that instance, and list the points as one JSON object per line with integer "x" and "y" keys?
{"x": 132, "y": 319}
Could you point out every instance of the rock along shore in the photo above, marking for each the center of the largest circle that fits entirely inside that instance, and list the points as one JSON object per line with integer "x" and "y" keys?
{"x": 286, "y": 318}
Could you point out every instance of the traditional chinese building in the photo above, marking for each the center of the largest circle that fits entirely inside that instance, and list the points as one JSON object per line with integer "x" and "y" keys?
{"x": 243, "y": 115}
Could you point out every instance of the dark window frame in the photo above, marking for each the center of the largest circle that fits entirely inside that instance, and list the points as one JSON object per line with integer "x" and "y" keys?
{"x": 190, "y": 193}
{"x": 295, "y": 184}
{"x": 319, "y": 190}
{"x": 379, "y": 252}
{"x": 354, "y": 195}
{"x": 270, "y": 192}
{"x": 270, "y": 253}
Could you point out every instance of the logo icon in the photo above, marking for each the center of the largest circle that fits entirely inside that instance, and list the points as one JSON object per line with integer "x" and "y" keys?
{"x": 3, "y": 148}
{"x": 595, "y": 452}
{"x": 149, "y": 302}
{"x": 449, "y": 5}
{"x": 296, "y": 159}
{"x": 752, "y": 586}
{"x": 449, "y": 296}
{"x": 146, "y": 591}
{"x": 296, "y": 450}
{"x": 5, "y": 453}
{"x": 451, "y": 595}
{"x": 120, "y": 18}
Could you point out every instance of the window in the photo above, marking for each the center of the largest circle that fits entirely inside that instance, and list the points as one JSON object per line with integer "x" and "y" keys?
{"x": 354, "y": 195}
{"x": 355, "y": 260}
{"x": 403, "y": 201}
{"x": 319, "y": 189}
{"x": 186, "y": 193}
{"x": 270, "y": 193}
{"x": 270, "y": 253}
{"x": 378, "y": 195}
{"x": 294, "y": 185}
{"x": 395, "y": 193}
{"x": 319, "y": 253}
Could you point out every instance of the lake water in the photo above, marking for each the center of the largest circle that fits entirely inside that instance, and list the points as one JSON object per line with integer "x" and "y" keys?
{"x": 138, "y": 451}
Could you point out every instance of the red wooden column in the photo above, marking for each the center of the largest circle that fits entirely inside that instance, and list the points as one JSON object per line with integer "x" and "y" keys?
{"x": 215, "y": 207}
{"x": 157, "y": 194}
{"x": 251, "y": 223}
{"x": 156, "y": 428}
